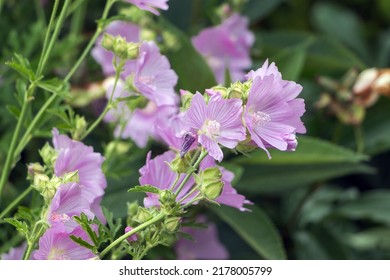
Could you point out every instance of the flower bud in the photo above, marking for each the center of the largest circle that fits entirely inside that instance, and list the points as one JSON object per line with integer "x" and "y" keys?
{"x": 188, "y": 139}
{"x": 210, "y": 182}
{"x": 108, "y": 42}
{"x": 143, "y": 215}
{"x": 120, "y": 47}
{"x": 237, "y": 90}
{"x": 34, "y": 168}
{"x": 80, "y": 127}
{"x": 186, "y": 98}
{"x": 132, "y": 50}
{"x": 133, "y": 237}
{"x": 40, "y": 182}
{"x": 48, "y": 154}
{"x": 71, "y": 177}
{"x": 180, "y": 164}
{"x": 212, "y": 190}
{"x": 167, "y": 198}
{"x": 219, "y": 89}
{"x": 172, "y": 224}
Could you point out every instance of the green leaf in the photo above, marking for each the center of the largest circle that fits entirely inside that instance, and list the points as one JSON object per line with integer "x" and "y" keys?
{"x": 259, "y": 9}
{"x": 374, "y": 238}
{"x": 340, "y": 23}
{"x": 22, "y": 66}
{"x": 55, "y": 86}
{"x": 82, "y": 242}
{"x": 145, "y": 189}
{"x": 310, "y": 150}
{"x": 20, "y": 226}
{"x": 193, "y": 72}
{"x": 15, "y": 111}
{"x": 256, "y": 229}
{"x": 269, "y": 179}
{"x": 373, "y": 205}
{"x": 290, "y": 61}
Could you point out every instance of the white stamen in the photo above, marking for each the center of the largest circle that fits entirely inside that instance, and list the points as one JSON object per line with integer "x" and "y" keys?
{"x": 260, "y": 118}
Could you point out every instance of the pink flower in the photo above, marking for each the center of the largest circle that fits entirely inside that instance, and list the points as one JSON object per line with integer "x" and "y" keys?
{"x": 273, "y": 112}
{"x": 57, "y": 245}
{"x": 75, "y": 156}
{"x": 205, "y": 245}
{"x": 15, "y": 253}
{"x": 68, "y": 201}
{"x": 156, "y": 172}
{"x": 153, "y": 76}
{"x": 226, "y": 46}
{"x": 150, "y": 5}
{"x": 129, "y": 31}
{"x": 133, "y": 237}
{"x": 218, "y": 122}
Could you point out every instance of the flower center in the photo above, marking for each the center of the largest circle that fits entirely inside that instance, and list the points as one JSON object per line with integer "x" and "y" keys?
{"x": 57, "y": 254}
{"x": 59, "y": 217}
{"x": 260, "y": 118}
{"x": 212, "y": 128}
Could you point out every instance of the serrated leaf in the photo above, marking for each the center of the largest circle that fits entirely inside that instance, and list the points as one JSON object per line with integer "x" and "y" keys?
{"x": 55, "y": 86}
{"x": 145, "y": 189}
{"x": 82, "y": 242}
{"x": 310, "y": 150}
{"x": 22, "y": 66}
{"x": 20, "y": 226}
{"x": 256, "y": 229}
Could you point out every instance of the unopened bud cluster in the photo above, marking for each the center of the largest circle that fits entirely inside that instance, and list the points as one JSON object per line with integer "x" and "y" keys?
{"x": 119, "y": 46}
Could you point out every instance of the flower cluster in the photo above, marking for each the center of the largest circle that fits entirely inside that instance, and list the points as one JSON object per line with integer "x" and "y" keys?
{"x": 79, "y": 193}
{"x": 145, "y": 92}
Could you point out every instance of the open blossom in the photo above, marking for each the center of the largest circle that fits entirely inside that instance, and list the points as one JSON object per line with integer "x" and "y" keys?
{"x": 75, "y": 156}
{"x": 226, "y": 46}
{"x": 56, "y": 245}
{"x": 218, "y": 122}
{"x": 273, "y": 112}
{"x": 150, "y": 5}
{"x": 153, "y": 76}
{"x": 128, "y": 31}
{"x": 156, "y": 172}
{"x": 68, "y": 201}
{"x": 205, "y": 245}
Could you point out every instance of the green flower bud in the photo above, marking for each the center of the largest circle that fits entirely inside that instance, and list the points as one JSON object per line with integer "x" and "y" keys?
{"x": 172, "y": 224}
{"x": 210, "y": 182}
{"x": 212, "y": 190}
{"x": 80, "y": 127}
{"x": 143, "y": 215}
{"x": 120, "y": 47}
{"x": 186, "y": 98}
{"x": 237, "y": 90}
{"x": 132, "y": 50}
{"x": 181, "y": 164}
{"x": 40, "y": 182}
{"x": 34, "y": 168}
{"x": 108, "y": 42}
{"x": 48, "y": 154}
{"x": 222, "y": 90}
{"x": 167, "y": 198}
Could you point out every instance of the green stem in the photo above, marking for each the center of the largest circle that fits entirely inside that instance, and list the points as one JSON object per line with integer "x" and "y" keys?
{"x": 106, "y": 109}
{"x": 359, "y": 139}
{"x": 203, "y": 154}
{"x": 28, "y": 134}
{"x": 11, "y": 152}
{"x": 54, "y": 37}
{"x": 144, "y": 252}
{"x": 192, "y": 201}
{"x": 196, "y": 188}
{"x": 156, "y": 219}
{"x": 31, "y": 243}
{"x": 175, "y": 182}
{"x": 77, "y": 19}
{"x": 48, "y": 31}
{"x": 40, "y": 11}
{"x": 15, "y": 202}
